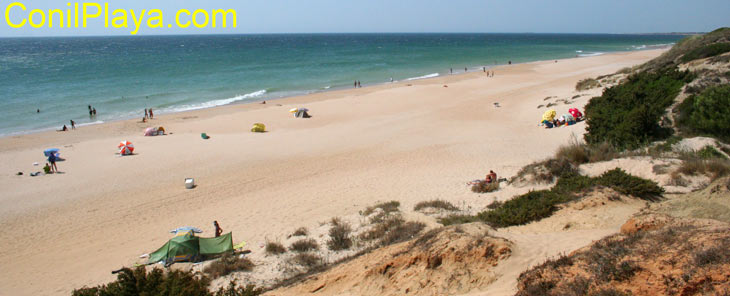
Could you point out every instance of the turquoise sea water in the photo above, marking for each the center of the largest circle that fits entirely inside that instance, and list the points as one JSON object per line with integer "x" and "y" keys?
{"x": 120, "y": 76}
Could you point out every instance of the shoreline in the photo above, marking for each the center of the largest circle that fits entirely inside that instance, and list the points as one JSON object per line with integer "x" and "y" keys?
{"x": 331, "y": 89}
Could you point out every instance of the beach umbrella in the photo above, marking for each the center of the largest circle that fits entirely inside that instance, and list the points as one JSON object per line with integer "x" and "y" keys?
{"x": 186, "y": 229}
{"x": 48, "y": 152}
{"x": 549, "y": 115}
{"x": 125, "y": 148}
{"x": 575, "y": 112}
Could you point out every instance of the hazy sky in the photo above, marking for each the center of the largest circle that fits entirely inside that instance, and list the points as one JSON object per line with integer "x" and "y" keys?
{"x": 319, "y": 16}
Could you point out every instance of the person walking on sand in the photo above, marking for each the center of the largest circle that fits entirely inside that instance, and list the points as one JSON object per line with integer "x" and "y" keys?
{"x": 151, "y": 115}
{"x": 73, "y": 124}
{"x": 218, "y": 229}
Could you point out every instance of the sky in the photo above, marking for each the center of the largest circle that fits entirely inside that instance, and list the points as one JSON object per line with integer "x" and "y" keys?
{"x": 348, "y": 16}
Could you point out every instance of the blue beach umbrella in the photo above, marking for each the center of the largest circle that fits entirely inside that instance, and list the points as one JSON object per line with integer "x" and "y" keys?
{"x": 186, "y": 229}
{"x": 48, "y": 152}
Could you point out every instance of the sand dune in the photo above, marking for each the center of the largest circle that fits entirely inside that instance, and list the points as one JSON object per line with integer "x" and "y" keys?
{"x": 409, "y": 141}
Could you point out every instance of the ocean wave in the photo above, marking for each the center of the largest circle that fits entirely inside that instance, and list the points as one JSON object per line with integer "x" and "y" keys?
{"x": 90, "y": 123}
{"x": 215, "y": 103}
{"x": 579, "y": 51}
{"x": 592, "y": 54}
{"x": 432, "y": 75}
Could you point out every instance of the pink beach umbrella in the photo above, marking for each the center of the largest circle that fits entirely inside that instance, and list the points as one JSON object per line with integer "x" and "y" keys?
{"x": 125, "y": 148}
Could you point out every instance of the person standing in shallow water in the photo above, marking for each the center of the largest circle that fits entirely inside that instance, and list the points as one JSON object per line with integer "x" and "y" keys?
{"x": 151, "y": 115}
{"x": 145, "y": 113}
{"x": 218, "y": 229}
{"x": 73, "y": 124}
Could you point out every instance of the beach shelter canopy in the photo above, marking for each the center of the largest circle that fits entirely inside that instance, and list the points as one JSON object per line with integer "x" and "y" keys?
{"x": 188, "y": 247}
{"x": 549, "y": 115}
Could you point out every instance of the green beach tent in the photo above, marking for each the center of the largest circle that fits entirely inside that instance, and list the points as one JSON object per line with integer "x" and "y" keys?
{"x": 188, "y": 247}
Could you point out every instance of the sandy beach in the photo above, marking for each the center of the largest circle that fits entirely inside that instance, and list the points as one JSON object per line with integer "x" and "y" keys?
{"x": 408, "y": 141}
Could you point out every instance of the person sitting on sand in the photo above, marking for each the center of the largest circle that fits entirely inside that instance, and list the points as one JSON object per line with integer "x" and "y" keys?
{"x": 489, "y": 178}
{"x": 47, "y": 169}
{"x": 144, "y": 119}
{"x": 493, "y": 175}
{"x": 218, "y": 229}
{"x": 63, "y": 129}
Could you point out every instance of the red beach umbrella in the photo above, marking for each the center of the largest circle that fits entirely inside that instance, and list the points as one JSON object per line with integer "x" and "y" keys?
{"x": 125, "y": 148}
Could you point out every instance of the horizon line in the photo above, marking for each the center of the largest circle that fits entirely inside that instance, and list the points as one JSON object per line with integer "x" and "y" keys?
{"x": 344, "y": 33}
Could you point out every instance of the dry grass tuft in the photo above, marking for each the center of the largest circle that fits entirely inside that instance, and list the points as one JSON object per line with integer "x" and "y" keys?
{"x": 228, "y": 263}
{"x": 275, "y": 248}
{"x": 587, "y": 84}
{"x": 308, "y": 260}
{"x": 301, "y": 231}
{"x": 339, "y": 235}
{"x": 436, "y": 204}
{"x": 304, "y": 245}
{"x": 484, "y": 187}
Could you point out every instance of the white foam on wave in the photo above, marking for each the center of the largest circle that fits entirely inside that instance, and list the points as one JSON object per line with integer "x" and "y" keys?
{"x": 432, "y": 75}
{"x": 215, "y": 103}
{"x": 90, "y": 123}
{"x": 592, "y": 54}
{"x": 579, "y": 51}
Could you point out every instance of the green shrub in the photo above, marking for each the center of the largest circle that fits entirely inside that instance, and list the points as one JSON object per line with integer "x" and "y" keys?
{"x": 627, "y": 184}
{"x": 156, "y": 282}
{"x": 536, "y": 205}
{"x": 234, "y": 290}
{"x": 707, "y": 113}
{"x": 627, "y": 115}
{"x": 523, "y": 209}
{"x": 458, "y": 219}
{"x": 709, "y": 152}
{"x": 706, "y": 51}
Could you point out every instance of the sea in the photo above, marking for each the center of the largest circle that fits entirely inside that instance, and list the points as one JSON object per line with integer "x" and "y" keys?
{"x": 121, "y": 76}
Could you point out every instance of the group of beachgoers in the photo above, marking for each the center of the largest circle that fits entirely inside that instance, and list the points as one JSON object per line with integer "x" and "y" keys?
{"x": 357, "y": 84}
{"x": 549, "y": 119}
{"x": 64, "y": 128}
{"x": 149, "y": 115}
